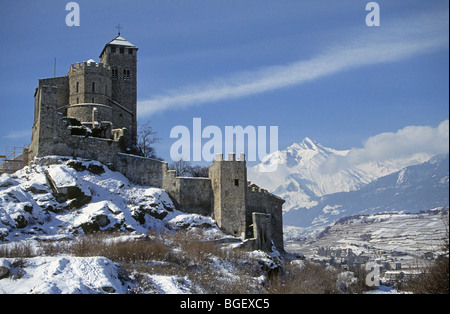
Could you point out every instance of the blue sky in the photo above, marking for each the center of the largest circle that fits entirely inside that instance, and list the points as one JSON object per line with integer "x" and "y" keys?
{"x": 312, "y": 68}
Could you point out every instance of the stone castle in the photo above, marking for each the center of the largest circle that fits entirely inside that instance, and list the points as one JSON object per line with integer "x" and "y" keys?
{"x": 91, "y": 113}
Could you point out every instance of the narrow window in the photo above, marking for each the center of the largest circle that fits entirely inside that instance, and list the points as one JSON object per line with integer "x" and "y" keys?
{"x": 93, "y": 87}
{"x": 236, "y": 182}
{"x": 114, "y": 74}
{"x": 122, "y": 50}
{"x": 126, "y": 74}
{"x": 78, "y": 100}
{"x": 93, "y": 99}
{"x": 130, "y": 51}
{"x": 78, "y": 87}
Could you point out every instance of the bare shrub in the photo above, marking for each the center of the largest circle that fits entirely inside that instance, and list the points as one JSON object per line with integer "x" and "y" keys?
{"x": 310, "y": 279}
{"x": 17, "y": 250}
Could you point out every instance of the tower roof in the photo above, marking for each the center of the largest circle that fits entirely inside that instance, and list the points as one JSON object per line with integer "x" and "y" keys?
{"x": 119, "y": 41}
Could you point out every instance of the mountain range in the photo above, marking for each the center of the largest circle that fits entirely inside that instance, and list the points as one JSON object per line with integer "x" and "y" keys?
{"x": 317, "y": 196}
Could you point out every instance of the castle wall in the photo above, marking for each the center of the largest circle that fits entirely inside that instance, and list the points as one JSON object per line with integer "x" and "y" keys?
{"x": 142, "y": 170}
{"x": 191, "y": 195}
{"x": 84, "y": 112}
{"x": 262, "y": 231}
{"x": 260, "y": 201}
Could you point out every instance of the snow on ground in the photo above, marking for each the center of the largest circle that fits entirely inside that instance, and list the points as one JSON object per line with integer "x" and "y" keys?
{"x": 62, "y": 198}
{"x": 61, "y": 275}
{"x": 104, "y": 200}
{"x": 171, "y": 284}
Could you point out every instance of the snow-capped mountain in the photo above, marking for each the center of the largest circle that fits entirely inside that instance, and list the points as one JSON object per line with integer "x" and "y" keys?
{"x": 412, "y": 189}
{"x": 301, "y": 177}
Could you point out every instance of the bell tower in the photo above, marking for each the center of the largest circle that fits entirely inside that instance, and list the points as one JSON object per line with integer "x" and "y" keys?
{"x": 121, "y": 56}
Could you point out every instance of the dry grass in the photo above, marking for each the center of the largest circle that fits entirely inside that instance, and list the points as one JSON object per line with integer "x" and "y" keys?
{"x": 209, "y": 267}
{"x": 310, "y": 279}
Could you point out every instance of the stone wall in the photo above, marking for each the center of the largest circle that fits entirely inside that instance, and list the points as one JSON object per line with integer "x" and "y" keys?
{"x": 260, "y": 201}
{"x": 229, "y": 182}
{"x": 192, "y": 195}
{"x": 142, "y": 170}
{"x": 262, "y": 231}
{"x": 89, "y": 82}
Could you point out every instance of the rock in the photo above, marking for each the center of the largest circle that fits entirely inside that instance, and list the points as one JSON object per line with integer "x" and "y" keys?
{"x": 108, "y": 289}
{"x": 4, "y": 272}
{"x": 102, "y": 220}
{"x": 77, "y": 165}
{"x": 138, "y": 214}
{"x": 96, "y": 169}
{"x": 95, "y": 224}
{"x": 90, "y": 227}
{"x": 78, "y": 196}
{"x": 21, "y": 221}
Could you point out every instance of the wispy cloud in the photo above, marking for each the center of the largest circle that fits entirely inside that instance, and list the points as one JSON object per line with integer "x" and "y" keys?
{"x": 405, "y": 142}
{"x": 400, "y": 40}
{"x": 14, "y": 135}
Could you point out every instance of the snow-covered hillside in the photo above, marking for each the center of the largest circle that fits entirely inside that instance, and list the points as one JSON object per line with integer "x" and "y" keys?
{"x": 50, "y": 214}
{"x": 410, "y": 239}
{"x": 62, "y": 197}
{"x": 301, "y": 178}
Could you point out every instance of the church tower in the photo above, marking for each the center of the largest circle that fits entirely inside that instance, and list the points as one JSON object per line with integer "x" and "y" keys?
{"x": 121, "y": 56}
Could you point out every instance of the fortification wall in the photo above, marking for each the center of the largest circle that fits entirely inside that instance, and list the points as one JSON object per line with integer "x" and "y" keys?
{"x": 260, "y": 201}
{"x": 142, "y": 170}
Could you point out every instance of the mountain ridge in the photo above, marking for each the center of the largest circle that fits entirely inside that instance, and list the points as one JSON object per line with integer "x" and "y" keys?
{"x": 413, "y": 189}
{"x": 301, "y": 178}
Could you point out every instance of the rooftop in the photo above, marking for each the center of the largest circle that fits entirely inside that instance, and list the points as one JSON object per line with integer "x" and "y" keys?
{"x": 119, "y": 41}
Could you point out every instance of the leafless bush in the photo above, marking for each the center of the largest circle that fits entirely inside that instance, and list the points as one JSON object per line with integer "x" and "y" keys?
{"x": 310, "y": 279}
{"x": 17, "y": 250}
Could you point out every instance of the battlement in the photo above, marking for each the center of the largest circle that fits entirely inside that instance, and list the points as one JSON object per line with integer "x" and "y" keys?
{"x": 91, "y": 65}
{"x": 231, "y": 157}
{"x": 251, "y": 187}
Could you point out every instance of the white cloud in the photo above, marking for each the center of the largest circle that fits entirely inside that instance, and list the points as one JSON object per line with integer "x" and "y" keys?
{"x": 404, "y": 143}
{"x": 399, "y": 41}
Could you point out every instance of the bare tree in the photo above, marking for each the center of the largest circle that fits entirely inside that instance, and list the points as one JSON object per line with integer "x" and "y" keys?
{"x": 182, "y": 168}
{"x": 146, "y": 140}
{"x": 200, "y": 171}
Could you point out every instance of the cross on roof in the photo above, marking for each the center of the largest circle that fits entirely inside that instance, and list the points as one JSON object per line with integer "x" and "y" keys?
{"x": 118, "y": 29}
